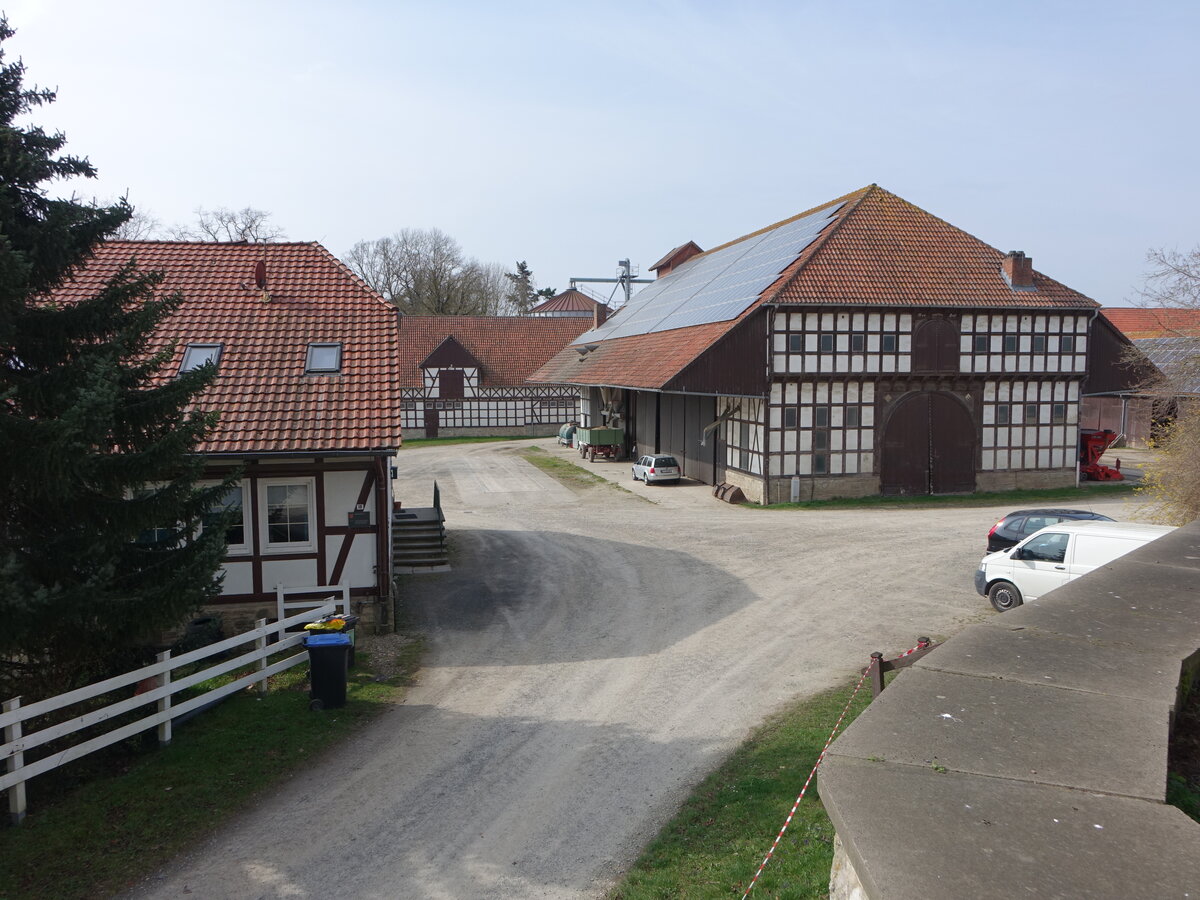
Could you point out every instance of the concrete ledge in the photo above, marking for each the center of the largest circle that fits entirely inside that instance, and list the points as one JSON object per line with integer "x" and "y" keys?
{"x": 1027, "y": 756}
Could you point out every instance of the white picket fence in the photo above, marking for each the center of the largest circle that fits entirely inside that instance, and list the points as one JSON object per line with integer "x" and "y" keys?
{"x": 14, "y": 715}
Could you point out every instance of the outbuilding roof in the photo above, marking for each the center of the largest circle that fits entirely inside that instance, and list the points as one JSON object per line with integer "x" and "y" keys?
{"x": 1154, "y": 322}
{"x": 571, "y": 300}
{"x": 1178, "y": 358}
{"x": 869, "y": 248}
{"x": 267, "y": 402}
{"x": 509, "y": 348}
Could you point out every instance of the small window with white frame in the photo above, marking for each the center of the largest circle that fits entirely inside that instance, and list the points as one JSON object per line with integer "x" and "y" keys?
{"x": 235, "y": 502}
{"x": 289, "y": 522}
{"x": 197, "y": 355}
{"x": 323, "y": 359}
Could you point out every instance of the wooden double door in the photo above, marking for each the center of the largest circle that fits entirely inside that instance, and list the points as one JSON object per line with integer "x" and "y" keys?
{"x": 928, "y": 446}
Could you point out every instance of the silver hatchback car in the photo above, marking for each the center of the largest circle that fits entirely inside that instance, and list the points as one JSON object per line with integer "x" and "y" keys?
{"x": 653, "y": 469}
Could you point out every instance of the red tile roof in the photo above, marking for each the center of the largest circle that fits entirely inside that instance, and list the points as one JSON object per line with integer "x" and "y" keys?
{"x": 877, "y": 250}
{"x": 510, "y": 348}
{"x": 1154, "y": 322}
{"x": 883, "y": 251}
{"x": 267, "y": 403}
{"x": 570, "y": 300}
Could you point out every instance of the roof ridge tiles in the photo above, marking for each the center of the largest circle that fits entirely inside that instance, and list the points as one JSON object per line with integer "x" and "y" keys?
{"x": 808, "y": 212}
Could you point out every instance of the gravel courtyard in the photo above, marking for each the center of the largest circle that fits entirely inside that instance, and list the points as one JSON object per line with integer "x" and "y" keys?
{"x": 593, "y": 654}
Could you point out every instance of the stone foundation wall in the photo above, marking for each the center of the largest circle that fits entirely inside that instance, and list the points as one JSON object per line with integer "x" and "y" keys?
{"x": 1025, "y": 479}
{"x": 541, "y": 429}
{"x": 824, "y": 487}
{"x": 751, "y": 485}
{"x": 844, "y": 883}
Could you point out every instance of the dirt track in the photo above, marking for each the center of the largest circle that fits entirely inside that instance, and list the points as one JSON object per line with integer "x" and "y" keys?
{"x": 592, "y": 656}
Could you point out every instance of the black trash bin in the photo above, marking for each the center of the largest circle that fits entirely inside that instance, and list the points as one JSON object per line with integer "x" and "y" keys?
{"x": 328, "y": 658}
{"x": 336, "y": 624}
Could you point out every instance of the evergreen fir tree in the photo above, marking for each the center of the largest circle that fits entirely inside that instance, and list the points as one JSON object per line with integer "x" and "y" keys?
{"x": 522, "y": 294}
{"x": 96, "y": 451}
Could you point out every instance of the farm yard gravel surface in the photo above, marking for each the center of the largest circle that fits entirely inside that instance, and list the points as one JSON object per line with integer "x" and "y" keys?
{"x": 592, "y": 655}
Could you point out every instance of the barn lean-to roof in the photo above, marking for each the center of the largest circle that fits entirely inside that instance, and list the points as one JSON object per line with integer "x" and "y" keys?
{"x": 872, "y": 250}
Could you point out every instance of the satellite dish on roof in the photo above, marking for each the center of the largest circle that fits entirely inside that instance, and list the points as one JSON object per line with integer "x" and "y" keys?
{"x": 260, "y": 275}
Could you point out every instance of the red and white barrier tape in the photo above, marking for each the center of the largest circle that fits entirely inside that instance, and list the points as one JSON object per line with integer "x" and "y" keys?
{"x": 820, "y": 759}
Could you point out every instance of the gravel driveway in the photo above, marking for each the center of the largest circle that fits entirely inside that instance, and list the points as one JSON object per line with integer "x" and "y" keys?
{"x": 593, "y": 655}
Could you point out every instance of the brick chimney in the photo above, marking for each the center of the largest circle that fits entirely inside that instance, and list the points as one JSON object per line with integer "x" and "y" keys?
{"x": 1018, "y": 270}
{"x": 599, "y": 315}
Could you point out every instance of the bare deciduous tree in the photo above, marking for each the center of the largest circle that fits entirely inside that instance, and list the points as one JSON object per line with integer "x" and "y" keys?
{"x": 424, "y": 272}
{"x": 1170, "y": 486}
{"x": 229, "y": 225}
{"x": 141, "y": 226}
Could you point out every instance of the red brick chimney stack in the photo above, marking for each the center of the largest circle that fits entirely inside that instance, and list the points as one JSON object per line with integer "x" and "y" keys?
{"x": 1018, "y": 269}
{"x": 599, "y": 315}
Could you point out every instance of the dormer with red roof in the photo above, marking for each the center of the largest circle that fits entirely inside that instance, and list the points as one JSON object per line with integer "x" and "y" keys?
{"x": 677, "y": 256}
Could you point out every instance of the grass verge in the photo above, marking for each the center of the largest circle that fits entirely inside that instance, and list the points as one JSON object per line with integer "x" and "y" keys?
{"x": 438, "y": 441}
{"x": 98, "y": 825}
{"x": 716, "y": 842}
{"x": 564, "y": 470}
{"x": 1084, "y": 494}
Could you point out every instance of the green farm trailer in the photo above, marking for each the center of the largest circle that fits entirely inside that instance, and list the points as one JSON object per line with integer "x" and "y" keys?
{"x": 608, "y": 443}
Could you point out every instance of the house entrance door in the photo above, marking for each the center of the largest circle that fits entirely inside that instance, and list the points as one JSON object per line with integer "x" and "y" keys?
{"x": 928, "y": 446}
{"x": 431, "y": 423}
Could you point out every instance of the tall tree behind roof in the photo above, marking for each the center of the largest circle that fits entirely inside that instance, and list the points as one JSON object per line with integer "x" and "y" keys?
{"x": 424, "y": 272}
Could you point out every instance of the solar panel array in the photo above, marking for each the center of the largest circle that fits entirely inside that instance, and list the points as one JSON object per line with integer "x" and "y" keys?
{"x": 716, "y": 287}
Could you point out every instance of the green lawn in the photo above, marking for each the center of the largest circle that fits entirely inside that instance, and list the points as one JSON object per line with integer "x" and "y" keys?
{"x": 96, "y": 826}
{"x": 716, "y": 842}
{"x": 438, "y": 441}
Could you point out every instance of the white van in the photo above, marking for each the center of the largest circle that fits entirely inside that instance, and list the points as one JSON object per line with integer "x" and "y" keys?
{"x": 1055, "y": 555}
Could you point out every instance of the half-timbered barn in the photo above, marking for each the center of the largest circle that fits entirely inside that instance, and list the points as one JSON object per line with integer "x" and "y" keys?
{"x": 307, "y": 391}
{"x": 864, "y": 346}
{"x": 466, "y": 375}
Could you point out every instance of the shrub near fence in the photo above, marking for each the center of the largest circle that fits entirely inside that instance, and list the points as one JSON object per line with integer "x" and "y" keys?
{"x": 14, "y": 715}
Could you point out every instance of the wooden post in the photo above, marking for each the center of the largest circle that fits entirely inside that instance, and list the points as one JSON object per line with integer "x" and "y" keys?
{"x": 261, "y": 646}
{"x": 876, "y": 674}
{"x": 164, "y": 703}
{"x": 16, "y": 793}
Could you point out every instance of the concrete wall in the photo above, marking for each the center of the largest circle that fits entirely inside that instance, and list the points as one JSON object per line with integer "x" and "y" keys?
{"x": 1027, "y": 756}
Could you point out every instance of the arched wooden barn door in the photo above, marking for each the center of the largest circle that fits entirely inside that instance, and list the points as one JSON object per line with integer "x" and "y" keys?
{"x": 928, "y": 447}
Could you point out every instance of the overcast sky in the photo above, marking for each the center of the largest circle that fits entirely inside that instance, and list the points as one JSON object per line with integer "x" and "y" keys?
{"x": 571, "y": 135}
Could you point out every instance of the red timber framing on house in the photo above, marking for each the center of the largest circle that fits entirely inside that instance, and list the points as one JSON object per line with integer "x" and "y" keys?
{"x": 466, "y": 375}
{"x": 307, "y": 390}
{"x": 861, "y": 347}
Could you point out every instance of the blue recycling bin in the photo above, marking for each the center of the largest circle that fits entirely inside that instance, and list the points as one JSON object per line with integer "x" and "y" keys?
{"x": 328, "y": 662}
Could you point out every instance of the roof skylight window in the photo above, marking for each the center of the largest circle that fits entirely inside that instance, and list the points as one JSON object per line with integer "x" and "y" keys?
{"x": 197, "y": 355}
{"x": 323, "y": 359}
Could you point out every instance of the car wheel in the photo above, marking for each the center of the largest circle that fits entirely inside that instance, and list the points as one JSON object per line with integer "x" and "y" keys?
{"x": 1004, "y": 596}
{"x": 635, "y": 478}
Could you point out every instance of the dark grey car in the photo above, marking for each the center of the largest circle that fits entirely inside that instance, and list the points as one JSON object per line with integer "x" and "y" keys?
{"x": 1018, "y": 525}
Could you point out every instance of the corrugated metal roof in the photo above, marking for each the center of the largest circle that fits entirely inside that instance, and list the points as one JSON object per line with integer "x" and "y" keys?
{"x": 1178, "y": 358}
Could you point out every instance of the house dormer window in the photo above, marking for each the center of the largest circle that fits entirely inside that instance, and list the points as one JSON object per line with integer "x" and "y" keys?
{"x": 323, "y": 359}
{"x": 197, "y": 355}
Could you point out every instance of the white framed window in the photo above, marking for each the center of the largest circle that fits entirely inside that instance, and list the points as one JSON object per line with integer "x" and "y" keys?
{"x": 196, "y": 355}
{"x": 237, "y": 532}
{"x": 289, "y": 521}
{"x": 323, "y": 359}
